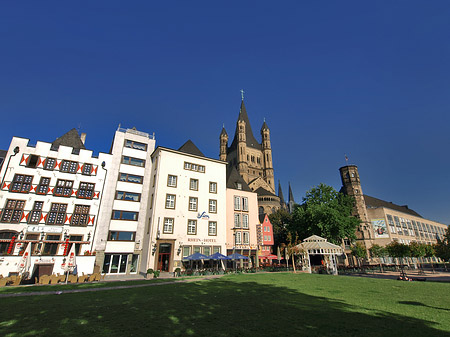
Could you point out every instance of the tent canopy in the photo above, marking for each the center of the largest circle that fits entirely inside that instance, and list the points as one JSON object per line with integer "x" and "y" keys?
{"x": 318, "y": 245}
{"x": 237, "y": 256}
{"x": 195, "y": 256}
{"x": 218, "y": 256}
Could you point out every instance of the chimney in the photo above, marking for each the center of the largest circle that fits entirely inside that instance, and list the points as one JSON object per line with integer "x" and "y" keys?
{"x": 83, "y": 138}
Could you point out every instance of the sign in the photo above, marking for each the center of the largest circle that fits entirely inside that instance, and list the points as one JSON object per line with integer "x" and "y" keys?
{"x": 201, "y": 240}
{"x": 379, "y": 228}
{"x": 202, "y": 216}
{"x": 45, "y": 229}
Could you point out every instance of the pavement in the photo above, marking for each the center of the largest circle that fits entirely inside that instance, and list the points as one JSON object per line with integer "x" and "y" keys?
{"x": 437, "y": 276}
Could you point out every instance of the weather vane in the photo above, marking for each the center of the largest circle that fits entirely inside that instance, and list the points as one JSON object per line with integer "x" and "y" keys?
{"x": 346, "y": 159}
{"x": 242, "y": 94}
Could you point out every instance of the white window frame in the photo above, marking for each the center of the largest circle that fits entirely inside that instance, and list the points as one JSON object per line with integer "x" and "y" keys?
{"x": 237, "y": 203}
{"x": 212, "y": 206}
{"x": 245, "y": 221}
{"x": 168, "y": 225}
{"x": 212, "y": 187}
{"x": 244, "y": 203}
{"x": 212, "y": 228}
{"x": 246, "y": 237}
{"x": 193, "y": 204}
{"x": 172, "y": 180}
{"x": 193, "y": 184}
{"x": 237, "y": 220}
{"x": 192, "y": 227}
{"x": 170, "y": 202}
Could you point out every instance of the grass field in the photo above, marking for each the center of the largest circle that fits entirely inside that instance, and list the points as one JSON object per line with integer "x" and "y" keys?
{"x": 273, "y": 304}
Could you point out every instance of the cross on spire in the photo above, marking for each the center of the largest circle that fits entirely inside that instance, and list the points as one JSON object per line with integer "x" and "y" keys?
{"x": 242, "y": 94}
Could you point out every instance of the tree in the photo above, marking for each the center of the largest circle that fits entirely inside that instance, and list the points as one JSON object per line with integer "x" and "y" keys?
{"x": 399, "y": 251}
{"x": 326, "y": 213}
{"x": 280, "y": 220}
{"x": 291, "y": 249}
{"x": 430, "y": 252}
{"x": 443, "y": 247}
{"x": 378, "y": 252}
{"x": 359, "y": 251}
{"x": 418, "y": 250}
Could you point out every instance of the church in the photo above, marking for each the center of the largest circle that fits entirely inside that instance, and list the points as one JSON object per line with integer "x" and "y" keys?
{"x": 252, "y": 160}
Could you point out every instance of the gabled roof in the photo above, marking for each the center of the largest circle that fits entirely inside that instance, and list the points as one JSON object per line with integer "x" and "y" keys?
{"x": 249, "y": 137}
{"x": 71, "y": 139}
{"x": 262, "y": 217}
{"x": 372, "y": 202}
{"x": 190, "y": 148}
{"x": 233, "y": 178}
{"x": 263, "y": 191}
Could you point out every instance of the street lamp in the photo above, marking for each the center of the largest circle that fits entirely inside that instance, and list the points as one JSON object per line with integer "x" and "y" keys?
{"x": 16, "y": 151}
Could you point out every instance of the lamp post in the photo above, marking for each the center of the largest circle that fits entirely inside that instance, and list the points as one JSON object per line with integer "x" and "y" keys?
{"x": 16, "y": 151}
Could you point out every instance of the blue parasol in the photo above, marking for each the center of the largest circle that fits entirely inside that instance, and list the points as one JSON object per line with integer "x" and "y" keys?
{"x": 196, "y": 256}
{"x": 218, "y": 256}
{"x": 237, "y": 256}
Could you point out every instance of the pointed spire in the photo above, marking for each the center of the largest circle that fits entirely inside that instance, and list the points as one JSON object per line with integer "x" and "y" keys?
{"x": 224, "y": 132}
{"x": 264, "y": 126}
{"x": 250, "y": 138}
{"x": 280, "y": 194}
{"x": 291, "y": 195}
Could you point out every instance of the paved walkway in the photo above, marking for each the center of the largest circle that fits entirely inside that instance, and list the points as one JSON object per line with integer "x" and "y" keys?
{"x": 72, "y": 291}
{"x": 414, "y": 274}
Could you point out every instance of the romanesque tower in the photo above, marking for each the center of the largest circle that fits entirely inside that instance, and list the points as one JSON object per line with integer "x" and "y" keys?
{"x": 252, "y": 160}
{"x": 351, "y": 185}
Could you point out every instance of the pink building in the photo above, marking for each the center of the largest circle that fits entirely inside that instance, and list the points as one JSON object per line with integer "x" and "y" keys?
{"x": 265, "y": 237}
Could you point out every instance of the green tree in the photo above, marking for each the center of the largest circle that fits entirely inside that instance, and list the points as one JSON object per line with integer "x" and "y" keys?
{"x": 399, "y": 251}
{"x": 443, "y": 247}
{"x": 359, "y": 251}
{"x": 327, "y": 213}
{"x": 280, "y": 220}
{"x": 430, "y": 252}
{"x": 418, "y": 250}
{"x": 378, "y": 251}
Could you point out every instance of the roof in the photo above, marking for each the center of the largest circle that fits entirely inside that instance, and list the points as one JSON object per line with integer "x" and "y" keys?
{"x": 280, "y": 193}
{"x": 263, "y": 191}
{"x": 318, "y": 245}
{"x": 249, "y": 137}
{"x": 233, "y": 178}
{"x": 262, "y": 217}
{"x": 190, "y": 148}
{"x": 372, "y": 202}
{"x": 291, "y": 195}
{"x": 70, "y": 139}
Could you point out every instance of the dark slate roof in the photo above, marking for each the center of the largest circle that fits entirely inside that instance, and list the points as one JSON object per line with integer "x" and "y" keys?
{"x": 291, "y": 195}
{"x": 280, "y": 193}
{"x": 249, "y": 137}
{"x": 71, "y": 139}
{"x": 233, "y": 177}
{"x": 263, "y": 191}
{"x": 190, "y": 148}
{"x": 372, "y": 202}
{"x": 224, "y": 132}
{"x": 264, "y": 126}
{"x": 262, "y": 217}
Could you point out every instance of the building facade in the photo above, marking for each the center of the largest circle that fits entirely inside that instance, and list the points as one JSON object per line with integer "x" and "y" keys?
{"x": 50, "y": 197}
{"x": 188, "y": 207}
{"x": 125, "y": 206}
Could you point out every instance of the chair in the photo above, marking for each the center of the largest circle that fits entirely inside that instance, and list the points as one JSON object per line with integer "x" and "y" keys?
{"x": 44, "y": 279}
{"x": 16, "y": 281}
{"x": 72, "y": 279}
{"x": 83, "y": 278}
{"x": 54, "y": 279}
{"x": 3, "y": 282}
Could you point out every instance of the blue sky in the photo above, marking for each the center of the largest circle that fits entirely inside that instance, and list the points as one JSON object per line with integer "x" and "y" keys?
{"x": 366, "y": 79}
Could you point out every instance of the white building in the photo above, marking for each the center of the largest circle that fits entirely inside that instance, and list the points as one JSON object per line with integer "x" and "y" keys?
{"x": 49, "y": 197}
{"x": 188, "y": 208}
{"x": 124, "y": 212}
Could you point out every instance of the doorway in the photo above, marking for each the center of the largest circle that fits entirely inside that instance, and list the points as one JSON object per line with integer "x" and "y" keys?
{"x": 165, "y": 250}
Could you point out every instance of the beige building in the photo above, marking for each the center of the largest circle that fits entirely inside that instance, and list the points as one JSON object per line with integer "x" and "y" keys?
{"x": 383, "y": 222}
{"x": 242, "y": 218}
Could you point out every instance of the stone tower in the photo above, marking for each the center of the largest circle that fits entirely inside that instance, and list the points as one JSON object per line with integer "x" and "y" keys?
{"x": 252, "y": 160}
{"x": 351, "y": 185}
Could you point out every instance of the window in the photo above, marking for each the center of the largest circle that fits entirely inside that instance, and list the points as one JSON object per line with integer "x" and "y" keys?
{"x": 186, "y": 251}
{"x": 69, "y": 166}
{"x": 49, "y": 164}
{"x": 57, "y": 214}
{"x": 13, "y": 211}
{"x": 172, "y": 181}
{"x": 63, "y": 188}
{"x": 77, "y": 245}
{"x": 128, "y": 196}
{"x": 168, "y": 225}
{"x": 246, "y": 237}
{"x": 212, "y": 228}
{"x": 245, "y": 221}
{"x": 207, "y": 250}
{"x": 237, "y": 238}
{"x": 35, "y": 247}
{"x": 21, "y": 183}
{"x": 194, "y": 167}
{"x": 212, "y": 187}
{"x": 85, "y": 191}
{"x": 43, "y": 187}
{"x": 124, "y": 215}
{"x": 212, "y": 206}
{"x": 133, "y": 161}
{"x": 239, "y": 186}
{"x": 193, "y": 185}
{"x": 121, "y": 236}
{"x": 32, "y": 161}
{"x": 130, "y": 178}
{"x": 4, "y": 246}
{"x": 170, "y": 201}
{"x": 237, "y": 220}
{"x": 87, "y": 169}
{"x": 35, "y": 214}
{"x": 216, "y": 249}
{"x": 244, "y": 204}
{"x": 135, "y": 145}
{"x": 237, "y": 203}
{"x": 193, "y": 204}
{"x": 192, "y": 227}
{"x": 51, "y": 248}
{"x": 80, "y": 216}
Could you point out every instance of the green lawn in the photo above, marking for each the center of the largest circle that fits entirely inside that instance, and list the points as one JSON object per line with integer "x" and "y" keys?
{"x": 277, "y": 304}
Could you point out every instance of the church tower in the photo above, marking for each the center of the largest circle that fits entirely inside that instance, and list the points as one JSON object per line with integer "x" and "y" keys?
{"x": 351, "y": 185}
{"x": 252, "y": 160}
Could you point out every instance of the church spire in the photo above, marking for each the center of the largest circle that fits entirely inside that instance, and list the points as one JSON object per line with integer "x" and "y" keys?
{"x": 280, "y": 194}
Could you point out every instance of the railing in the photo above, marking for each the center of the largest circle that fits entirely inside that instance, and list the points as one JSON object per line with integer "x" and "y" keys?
{"x": 136, "y": 132}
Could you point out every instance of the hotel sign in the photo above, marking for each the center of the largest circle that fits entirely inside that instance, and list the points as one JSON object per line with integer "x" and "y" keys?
{"x": 45, "y": 229}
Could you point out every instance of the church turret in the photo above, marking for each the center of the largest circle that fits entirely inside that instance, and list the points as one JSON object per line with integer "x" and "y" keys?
{"x": 267, "y": 154}
{"x": 291, "y": 202}
{"x": 223, "y": 144}
{"x": 241, "y": 135}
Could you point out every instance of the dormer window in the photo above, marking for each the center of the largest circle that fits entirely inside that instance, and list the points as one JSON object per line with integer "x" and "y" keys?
{"x": 239, "y": 186}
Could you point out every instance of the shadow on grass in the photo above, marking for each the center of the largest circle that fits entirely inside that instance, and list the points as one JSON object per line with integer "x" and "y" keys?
{"x": 419, "y": 304}
{"x": 214, "y": 308}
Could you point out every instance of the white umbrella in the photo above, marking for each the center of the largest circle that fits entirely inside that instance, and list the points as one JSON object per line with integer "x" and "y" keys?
{"x": 25, "y": 261}
{"x": 71, "y": 262}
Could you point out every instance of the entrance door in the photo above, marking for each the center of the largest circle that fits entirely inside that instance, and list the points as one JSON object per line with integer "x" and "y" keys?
{"x": 165, "y": 250}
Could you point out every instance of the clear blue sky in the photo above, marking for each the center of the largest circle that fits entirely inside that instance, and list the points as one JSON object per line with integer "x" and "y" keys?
{"x": 370, "y": 79}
